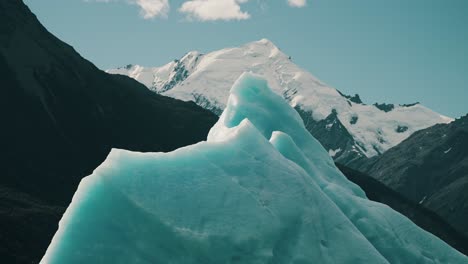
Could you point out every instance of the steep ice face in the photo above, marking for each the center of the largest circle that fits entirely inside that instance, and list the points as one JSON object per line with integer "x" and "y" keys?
{"x": 261, "y": 189}
{"x": 208, "y": 78}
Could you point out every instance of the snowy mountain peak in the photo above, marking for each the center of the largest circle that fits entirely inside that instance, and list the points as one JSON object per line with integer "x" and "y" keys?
{"x": 265, "y": 41}
{"x": 266, "y": 49}
{"x": 357, "y": 129}
{"x": 265, "y": 44}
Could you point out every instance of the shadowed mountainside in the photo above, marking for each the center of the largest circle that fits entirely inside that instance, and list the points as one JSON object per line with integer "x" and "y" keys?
{"x": 60, "y": 118}
{"x": 423, "y": 217}
{"x": 430, "y": 168}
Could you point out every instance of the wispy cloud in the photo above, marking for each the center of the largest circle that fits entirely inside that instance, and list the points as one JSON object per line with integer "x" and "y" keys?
{"x": 211, "y": 10}
{"x": 148, "y": 8}
{"x": 297, "y": 3}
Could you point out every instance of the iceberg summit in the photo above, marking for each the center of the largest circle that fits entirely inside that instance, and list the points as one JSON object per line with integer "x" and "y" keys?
{"x": 261, "y": 189}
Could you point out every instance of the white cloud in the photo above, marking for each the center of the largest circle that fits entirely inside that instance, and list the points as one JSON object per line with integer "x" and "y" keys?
{"x": 152, "y": 8}
{"x": 211, "y": 10}
{"x": 148, "y": 8}
{"x": 297, "y": 3}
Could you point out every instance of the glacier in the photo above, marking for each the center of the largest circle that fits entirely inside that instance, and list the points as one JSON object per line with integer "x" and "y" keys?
{"x": 261, "y": 189}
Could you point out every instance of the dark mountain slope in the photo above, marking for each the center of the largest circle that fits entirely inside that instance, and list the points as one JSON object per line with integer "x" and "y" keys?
{"x": 431, "y": 168}
{"x": 60, "y": 116}
{"x": 421, "y": 216}
{"x": 26, "y": 226}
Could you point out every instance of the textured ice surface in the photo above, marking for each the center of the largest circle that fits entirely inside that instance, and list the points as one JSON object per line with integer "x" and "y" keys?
{"x": 260, "y": 190}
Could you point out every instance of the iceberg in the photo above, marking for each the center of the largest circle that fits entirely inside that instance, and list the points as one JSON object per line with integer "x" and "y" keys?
{"x": 261, "y": 189}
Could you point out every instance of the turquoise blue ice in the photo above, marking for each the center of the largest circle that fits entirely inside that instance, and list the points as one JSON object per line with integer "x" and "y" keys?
{"x": 261, "y": 189}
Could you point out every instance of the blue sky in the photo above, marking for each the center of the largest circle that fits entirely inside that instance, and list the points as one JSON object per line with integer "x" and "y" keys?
{"x": 397, "y": 51}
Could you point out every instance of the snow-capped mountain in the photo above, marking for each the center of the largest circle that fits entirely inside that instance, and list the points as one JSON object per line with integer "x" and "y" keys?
{"x": 348, "y": 128}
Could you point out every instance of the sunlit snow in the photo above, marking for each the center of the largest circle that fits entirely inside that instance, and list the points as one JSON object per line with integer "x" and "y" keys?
{"x": 261, "y": 189}
{"x": 212, "y": 75}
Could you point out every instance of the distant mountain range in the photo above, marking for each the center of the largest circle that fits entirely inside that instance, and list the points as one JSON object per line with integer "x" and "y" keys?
{"x": 349, "y": 129}
{"x": 430, "y": 168}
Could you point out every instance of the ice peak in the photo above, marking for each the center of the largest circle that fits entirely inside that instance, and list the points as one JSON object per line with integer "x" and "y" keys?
{"x": 237, "y": 187}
